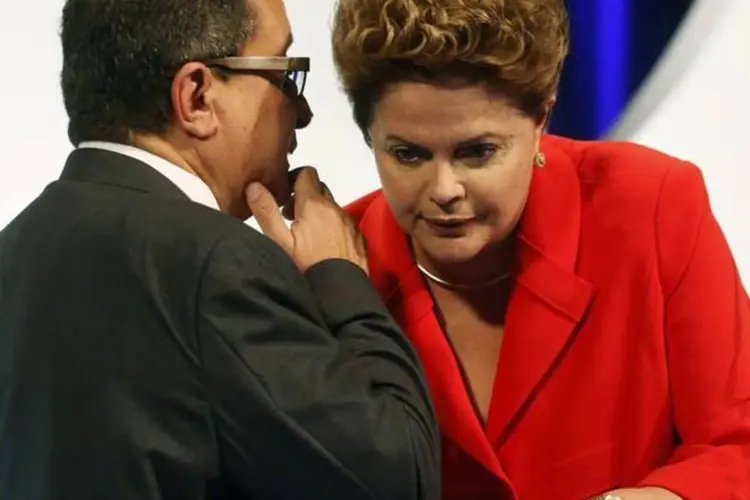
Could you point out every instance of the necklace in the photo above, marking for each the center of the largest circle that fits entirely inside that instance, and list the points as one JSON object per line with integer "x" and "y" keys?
{"x": 463, "y": 286}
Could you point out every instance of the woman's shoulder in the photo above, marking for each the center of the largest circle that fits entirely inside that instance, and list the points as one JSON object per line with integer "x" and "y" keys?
{"x": 602, "y": 160}
{"x": 597, "y": 158}
{"x": 638, "y": 196}
{"x": 629, "y": 173}
{"x": 361, "y": 206}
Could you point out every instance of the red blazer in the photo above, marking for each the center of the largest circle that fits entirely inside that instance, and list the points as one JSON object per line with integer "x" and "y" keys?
{"x": 626, "y": 356}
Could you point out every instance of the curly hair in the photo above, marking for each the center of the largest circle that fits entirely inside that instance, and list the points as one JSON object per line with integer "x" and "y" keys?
{"x": 515, "y": 46}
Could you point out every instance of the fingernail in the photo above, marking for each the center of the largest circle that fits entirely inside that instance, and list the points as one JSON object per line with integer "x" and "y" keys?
{"x": 253, "y": 192}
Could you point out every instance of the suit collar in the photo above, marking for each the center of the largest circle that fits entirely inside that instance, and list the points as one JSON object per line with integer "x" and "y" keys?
{"x": 544, "y": 311}
{"x": 192, "y": 185}
{"x": 131, "y": 168}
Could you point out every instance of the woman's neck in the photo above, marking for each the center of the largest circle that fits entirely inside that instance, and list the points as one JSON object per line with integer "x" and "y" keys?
{"x": 492, "y": 265}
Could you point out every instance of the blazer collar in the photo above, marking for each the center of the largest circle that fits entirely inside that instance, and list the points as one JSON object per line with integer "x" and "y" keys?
{"x": 105, "y": 167}
{"x": 549, "y": 301}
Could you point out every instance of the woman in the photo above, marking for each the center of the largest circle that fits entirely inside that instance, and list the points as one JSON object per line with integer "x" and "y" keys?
{"x": 578, "y": 312}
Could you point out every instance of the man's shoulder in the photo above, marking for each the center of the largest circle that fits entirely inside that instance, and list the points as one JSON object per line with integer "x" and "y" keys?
{"x": 188, "y": 218}
{"x": 208, "y": 233}
{"x": 176, "y": 221}
{"x": 109, "y": 218}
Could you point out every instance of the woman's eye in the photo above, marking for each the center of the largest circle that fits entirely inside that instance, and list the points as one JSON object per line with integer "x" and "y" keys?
{"x": 481, "y": 152}
{"x": 406, "y": 156}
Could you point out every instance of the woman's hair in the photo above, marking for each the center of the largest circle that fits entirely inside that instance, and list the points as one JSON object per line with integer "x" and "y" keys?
{"x": 516, "y": 47}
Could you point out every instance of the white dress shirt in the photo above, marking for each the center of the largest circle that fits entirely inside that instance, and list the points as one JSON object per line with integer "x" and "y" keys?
{"x": 187, "y": 182}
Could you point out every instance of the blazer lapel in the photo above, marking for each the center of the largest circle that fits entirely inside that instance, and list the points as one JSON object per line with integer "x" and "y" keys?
{"x": 549, "y": 300}
{"x": 544, "y": 311}
{"x": 403, "y": 289}
{"x": 106, "y": 167}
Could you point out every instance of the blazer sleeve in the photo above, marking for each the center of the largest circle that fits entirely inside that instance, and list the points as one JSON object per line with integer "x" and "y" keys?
{"x": 707, "y": 327}
{"x": 312, "y": 384}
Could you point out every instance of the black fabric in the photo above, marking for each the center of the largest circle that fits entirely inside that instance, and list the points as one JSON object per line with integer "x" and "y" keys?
{"x": 153, "y": 348}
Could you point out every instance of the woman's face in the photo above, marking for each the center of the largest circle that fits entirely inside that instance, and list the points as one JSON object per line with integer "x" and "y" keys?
{"x": 455, "y": 163}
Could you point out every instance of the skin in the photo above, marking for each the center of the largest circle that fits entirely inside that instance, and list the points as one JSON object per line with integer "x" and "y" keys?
{"x": 455, "y": 162}
{"x": 233, "y": 131}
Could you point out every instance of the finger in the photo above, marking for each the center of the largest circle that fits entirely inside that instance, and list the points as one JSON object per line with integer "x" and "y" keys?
{"x": 293, "y": 174}
{"x": 362, "y": 244}
{"x": 306, "y": 185}
{"x": 327, "y": 192}
{"x": 288, "y": 209}
{"x": 267, "y": 214}
{"x": 360, "y": 240}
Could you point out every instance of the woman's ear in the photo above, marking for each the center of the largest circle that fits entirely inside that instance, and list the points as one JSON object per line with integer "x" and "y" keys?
{"x": 547, "y": 115}
{"x": 542, "y": 122}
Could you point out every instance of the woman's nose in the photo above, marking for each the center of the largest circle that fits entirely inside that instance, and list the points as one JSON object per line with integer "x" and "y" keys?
{"x": 447, "y": 186}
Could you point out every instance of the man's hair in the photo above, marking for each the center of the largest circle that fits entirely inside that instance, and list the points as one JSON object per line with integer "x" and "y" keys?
{"x": 514, "y": 46}
{"x": 120, "y": 56}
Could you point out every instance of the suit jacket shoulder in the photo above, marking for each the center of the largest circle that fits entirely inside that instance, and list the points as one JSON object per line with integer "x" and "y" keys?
{"x": 650, "y": 202}
{"x": 161, "y": 346}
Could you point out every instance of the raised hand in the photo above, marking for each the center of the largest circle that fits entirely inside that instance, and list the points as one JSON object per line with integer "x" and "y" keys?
{"x": 320, "y": 229}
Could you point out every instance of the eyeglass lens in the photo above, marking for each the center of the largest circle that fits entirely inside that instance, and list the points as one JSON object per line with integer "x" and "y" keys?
{"x": 294, "y": 82}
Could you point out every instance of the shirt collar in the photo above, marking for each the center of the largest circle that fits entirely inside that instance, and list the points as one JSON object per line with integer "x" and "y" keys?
{"x": 189, "y": 183}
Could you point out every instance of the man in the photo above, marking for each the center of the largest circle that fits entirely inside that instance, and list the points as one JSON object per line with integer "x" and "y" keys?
{"x": 152, "y": 346}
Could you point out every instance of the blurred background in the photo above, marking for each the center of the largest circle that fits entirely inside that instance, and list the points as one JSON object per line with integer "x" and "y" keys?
{"x": 670, "y": 74}
{"x": 615, "y": 46}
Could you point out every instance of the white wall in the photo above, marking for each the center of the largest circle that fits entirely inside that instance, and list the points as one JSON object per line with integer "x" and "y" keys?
{"x": 696, "y": 106}
{"x": 33, "y": 141}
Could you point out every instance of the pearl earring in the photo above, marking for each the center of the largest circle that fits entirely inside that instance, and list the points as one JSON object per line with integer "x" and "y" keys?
{"x": 540, "y": 160}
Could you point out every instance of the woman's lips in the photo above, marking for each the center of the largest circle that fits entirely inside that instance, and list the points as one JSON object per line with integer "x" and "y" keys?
{"x": 448, "y": 225}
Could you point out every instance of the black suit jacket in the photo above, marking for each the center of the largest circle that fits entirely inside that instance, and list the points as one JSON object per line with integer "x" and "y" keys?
{"x": 153, "y": 348}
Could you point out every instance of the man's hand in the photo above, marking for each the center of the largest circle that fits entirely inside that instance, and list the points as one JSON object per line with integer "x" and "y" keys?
{"x": 320, "y": 229}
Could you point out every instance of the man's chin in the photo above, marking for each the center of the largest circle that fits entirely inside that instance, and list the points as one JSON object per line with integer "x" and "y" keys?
{"x": 279, "y": 185}
{"x": 282, "y": 191}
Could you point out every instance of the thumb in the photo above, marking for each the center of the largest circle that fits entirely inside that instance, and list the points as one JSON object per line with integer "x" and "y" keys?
{"x": 267, "y": 214}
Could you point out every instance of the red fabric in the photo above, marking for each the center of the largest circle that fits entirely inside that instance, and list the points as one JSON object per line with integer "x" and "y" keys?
{"x": 626, "y": 356}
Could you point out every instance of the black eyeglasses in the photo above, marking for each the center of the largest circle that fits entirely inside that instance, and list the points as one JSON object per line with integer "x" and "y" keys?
{"x": 294, "y": 70}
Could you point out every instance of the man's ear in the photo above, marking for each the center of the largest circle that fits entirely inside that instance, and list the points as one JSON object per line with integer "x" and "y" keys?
{"x": 193, "y": 100}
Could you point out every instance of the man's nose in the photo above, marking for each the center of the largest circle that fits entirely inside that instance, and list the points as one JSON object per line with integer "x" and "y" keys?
{"x": 304, "y": 113}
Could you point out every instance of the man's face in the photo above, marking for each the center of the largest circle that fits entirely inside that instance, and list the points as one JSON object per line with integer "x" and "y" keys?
{"x": 256, "y": 119}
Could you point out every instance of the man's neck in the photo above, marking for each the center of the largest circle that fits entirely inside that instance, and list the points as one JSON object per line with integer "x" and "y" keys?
{"x": 165, "y": 150}
{"x": 183, "y": 159}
